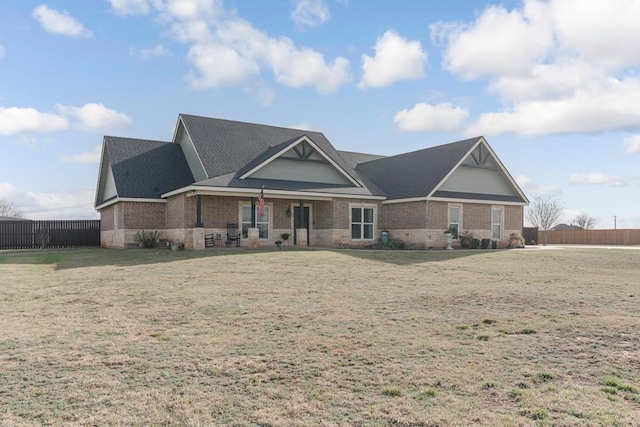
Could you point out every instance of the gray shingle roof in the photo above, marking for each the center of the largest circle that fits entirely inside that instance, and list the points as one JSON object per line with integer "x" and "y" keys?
{"x": 231, "y": 180}
{"x": 227, "y": 146}
{"x": 417, "y": 173}
{"x": 228, "y": 149}
{"x": 146, "y": 169}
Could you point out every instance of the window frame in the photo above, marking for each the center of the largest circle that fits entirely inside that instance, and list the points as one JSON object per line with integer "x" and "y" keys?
{"x": 458, "y": 224}
{"x": 267, "y": 215}
{"x": 499, "y": 224}
{"x": 362, "y": 223}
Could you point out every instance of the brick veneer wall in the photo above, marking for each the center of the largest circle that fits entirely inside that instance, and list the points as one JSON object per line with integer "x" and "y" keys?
{"x": 513, "y": 218}
{"x": 323, "y": 215}
{"x": 175, "y": 209}
{"x": 217, "y": 211}
{"x": 107, "y": 218}
{"x": 437, "y": 215}
{"x": 403, "y": 215}
{"x": 139, "y": 215}
{"x": 476, "y": 217}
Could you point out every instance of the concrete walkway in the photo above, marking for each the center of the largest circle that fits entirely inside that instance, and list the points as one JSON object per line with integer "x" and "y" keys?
{"x": 542, "y": 247}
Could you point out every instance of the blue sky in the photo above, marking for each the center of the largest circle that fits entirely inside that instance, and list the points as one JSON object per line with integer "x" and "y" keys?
{"x": 554, "y": 86}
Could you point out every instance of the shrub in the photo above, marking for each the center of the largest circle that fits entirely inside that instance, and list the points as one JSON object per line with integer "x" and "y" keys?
{"x": 484, "y": 243}
{"x": 147, "y": 239}
{"x": 516, "y": 241}
{"x": 494, "y": 244}
{"x": 475, "y": 243}
{"x": 465, "y": 239}
{"x": 539, "y": 414}
{"x": 392, "y": 392}
{"x": 545, "y": 376}
{"x": 393, "y": 245}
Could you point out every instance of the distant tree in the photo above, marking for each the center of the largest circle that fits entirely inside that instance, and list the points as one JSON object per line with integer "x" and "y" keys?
{"x": 544, "y": 213}
{"x": 8, "y": 208}
{"x": 585, "y": 221}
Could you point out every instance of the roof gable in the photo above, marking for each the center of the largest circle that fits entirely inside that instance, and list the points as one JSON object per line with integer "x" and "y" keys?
{"x": 141, "y": 168}
{"x": 230, "y": 147}
{"x": 480, "y": 175}
{"x": 300, "y": 160}
{"x": 415, "y": 174}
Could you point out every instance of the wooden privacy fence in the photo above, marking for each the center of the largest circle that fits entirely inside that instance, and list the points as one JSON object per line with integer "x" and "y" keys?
{"x": 27, "y": 234}
{"x": 591, "y": 237}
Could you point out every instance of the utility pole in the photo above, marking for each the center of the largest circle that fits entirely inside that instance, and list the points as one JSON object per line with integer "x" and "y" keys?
{"x": 615, "y": 222}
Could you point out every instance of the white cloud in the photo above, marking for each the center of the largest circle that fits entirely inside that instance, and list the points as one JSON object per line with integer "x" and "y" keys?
{"x": 92, "y": 156}
{"x": 523, "y": 181}
{"x": 557, "y": 66}
{"x": 226, "y": 50}
{"x": 310, "y": 13}
{"x": 528, "y": 186}
{"x": 426, "y": 117}
{"x": 154, "y": 52}
{"x": 56, "y": 22}
{"x": 606, "y": 32}
{"x": 632, "y": 144}
{"x": 396, "y": 59}
{"x": 594, "y": 108}
{"x": 220, "y": 65}
{"x": 130, "y": 7}
{"x": 499, "y": 42}
{"x": 68, "y": 204}
{"x": 96, "y": 117}
{"x": 15, "y": 120}
{"x": 597, "y": 178}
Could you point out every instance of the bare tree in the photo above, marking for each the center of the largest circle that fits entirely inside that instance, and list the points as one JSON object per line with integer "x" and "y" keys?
{"x": 8, "y": 208}
{"x": 544, "y": 213}
{"x": 585, "y": 221}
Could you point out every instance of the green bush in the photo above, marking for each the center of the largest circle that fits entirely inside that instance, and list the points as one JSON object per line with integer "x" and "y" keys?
{"x": 475, "y": 243}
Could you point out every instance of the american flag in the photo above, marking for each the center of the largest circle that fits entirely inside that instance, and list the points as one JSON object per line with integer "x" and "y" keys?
{"x": 261, "y": 202}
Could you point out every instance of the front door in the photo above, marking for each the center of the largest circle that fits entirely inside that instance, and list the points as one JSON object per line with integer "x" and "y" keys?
{"x": 296, "y": 223}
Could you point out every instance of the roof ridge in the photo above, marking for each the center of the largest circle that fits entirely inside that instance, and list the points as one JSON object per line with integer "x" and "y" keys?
{"x": 249, "y": 123}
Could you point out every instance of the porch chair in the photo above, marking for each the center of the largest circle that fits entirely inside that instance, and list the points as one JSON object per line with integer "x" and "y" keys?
{"x": 232, "y": 233}
{"x": 209, "y": 241}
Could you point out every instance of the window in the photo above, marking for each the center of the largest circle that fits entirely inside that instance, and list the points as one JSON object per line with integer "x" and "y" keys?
{"x": 454, "y": 220}
{"x": 496, "y": 223}
{"x": 362, "y": 223}
{"x": 262, "y": 222}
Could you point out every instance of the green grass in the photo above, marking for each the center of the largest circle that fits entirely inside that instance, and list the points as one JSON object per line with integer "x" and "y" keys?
{"x": 312, "y": 337}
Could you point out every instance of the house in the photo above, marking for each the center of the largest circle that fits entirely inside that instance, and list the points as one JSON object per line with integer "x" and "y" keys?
{"x": 213, "y": 171}
{"x": 566, "y": 227}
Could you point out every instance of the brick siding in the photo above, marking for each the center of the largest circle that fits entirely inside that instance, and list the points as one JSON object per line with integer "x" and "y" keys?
{"x": 411, "y": 215}
{"x": 476, "y": 217}
{"x": 107, "y": 218}
{"x": 139, "y": 215}
{"x": 437, "y": 215}
{"x": 513, "y": 218}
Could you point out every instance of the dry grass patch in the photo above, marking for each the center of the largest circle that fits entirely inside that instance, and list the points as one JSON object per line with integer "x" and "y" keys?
{"x": 151, "y": 337}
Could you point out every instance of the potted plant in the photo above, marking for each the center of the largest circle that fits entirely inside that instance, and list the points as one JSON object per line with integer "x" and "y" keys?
{"x": 285, "y": 236}
{"x": 227, "y": 243}
{"x": 448, "y": 234}
{"x": 279, "y": 244}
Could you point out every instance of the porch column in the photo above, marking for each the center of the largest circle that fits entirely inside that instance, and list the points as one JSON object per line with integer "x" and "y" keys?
{"x": 253, "y": 212}
{"x": 199, "y": 211}
{"x": 301, "y": 233}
